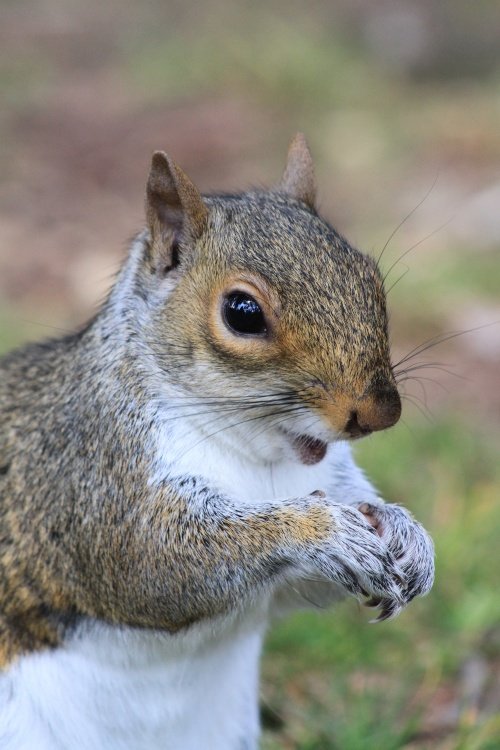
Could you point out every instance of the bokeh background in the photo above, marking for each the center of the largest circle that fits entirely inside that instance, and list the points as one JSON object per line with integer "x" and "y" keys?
{"x": 401, "y": 104}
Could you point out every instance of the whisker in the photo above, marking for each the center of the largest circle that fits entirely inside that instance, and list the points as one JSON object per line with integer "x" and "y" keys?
{"x": 410, "y": 249}
{"x": 47, "y": 325}
{"x": 410, "y": 378}
{"x": 303, "y": 596}
{"x": 415, "y": 401}
{"x": 222, "y": 408}
{"x": 422, "y": 388}
{"x": 440, "y": 339}
{"x": 397, "y": 281}
{"x": 254, "y": 400}
{"x": 439, "y": 366}
{"x": 408, "y": 216}
{"x": 244, "y": 421}
{"x": 277, "y": 422}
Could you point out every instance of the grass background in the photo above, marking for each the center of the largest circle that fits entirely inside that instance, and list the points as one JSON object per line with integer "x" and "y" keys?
{"x": 401, "y": 104}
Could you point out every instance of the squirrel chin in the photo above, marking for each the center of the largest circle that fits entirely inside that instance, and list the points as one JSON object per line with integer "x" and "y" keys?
{"x": 308, "y": 450}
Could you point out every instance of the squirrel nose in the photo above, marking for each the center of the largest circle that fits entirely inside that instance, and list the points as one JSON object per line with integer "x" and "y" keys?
{"x": 353, "y": 427}
{"x": 377, "y": 412}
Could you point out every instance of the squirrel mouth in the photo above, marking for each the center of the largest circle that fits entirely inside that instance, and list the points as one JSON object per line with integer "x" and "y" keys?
{"x": 309, "y": 450}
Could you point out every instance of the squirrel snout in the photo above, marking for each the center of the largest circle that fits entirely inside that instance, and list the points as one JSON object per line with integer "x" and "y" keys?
{"x": 375, "y": 412}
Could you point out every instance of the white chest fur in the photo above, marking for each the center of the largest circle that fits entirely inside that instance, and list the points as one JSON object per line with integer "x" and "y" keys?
{"x": 114, "y": 689}
{"x": 243, "y": 479}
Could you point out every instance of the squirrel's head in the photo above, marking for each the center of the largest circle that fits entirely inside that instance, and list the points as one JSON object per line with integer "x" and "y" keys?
{"x": 267, "y": 321}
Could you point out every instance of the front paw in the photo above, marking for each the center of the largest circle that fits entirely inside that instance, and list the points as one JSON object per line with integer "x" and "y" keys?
{"x": 409, "y": 543}
{"x": 356, "y": 558}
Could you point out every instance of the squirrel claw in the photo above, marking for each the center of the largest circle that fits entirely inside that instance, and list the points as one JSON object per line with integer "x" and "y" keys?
{"x": 409, "y": 544}
{"x": 389, "y": 610}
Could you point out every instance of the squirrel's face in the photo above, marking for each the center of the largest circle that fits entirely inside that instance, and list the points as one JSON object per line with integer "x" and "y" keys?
{"x": 283, "y": 329}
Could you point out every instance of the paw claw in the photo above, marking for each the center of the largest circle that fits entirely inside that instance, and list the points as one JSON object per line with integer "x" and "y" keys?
{"x": 409, "y": 544}
{"x": 373, "y": 601}
{"x": 389, "y": 610}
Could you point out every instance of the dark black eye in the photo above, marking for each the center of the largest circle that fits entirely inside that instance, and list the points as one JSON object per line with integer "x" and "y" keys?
{"x": 242, "y": 314}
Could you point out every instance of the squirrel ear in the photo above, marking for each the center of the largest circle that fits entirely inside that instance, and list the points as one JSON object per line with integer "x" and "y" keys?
{"x": 174, "y": 207}
{"x": 298, "y": 179}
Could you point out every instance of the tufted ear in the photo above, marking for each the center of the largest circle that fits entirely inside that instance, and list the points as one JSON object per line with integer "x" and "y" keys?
{"x": 298, "y": 179}
{"x": 174, "y": 210}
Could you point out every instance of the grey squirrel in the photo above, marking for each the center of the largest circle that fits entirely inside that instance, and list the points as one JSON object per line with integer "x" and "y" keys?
{"x": 180, "y": 468}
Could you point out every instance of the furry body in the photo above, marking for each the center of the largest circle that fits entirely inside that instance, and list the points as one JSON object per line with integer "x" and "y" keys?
{"x": 117, "y": 688}
{"x": 167, "y": 481}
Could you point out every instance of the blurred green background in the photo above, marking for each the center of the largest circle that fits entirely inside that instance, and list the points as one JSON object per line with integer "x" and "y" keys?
{"x": 401, "y": 105}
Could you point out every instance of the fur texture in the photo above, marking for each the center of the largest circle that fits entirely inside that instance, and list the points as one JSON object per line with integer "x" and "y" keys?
{"x": 165, "y": 482}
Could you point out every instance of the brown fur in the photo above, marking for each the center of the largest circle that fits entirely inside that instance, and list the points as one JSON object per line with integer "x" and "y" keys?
{"x": 82, "y": 530}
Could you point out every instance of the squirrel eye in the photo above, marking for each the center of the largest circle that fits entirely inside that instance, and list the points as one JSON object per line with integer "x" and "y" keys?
{"x": 243, "y": 315}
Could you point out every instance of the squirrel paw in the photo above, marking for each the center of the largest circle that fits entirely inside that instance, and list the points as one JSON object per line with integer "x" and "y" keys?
{"x": 408, "y": 542}
{"x": 359, "y": 560}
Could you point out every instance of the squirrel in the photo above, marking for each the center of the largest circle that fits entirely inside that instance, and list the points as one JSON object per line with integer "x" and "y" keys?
{"x": 180, "y": 469}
